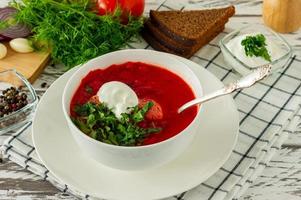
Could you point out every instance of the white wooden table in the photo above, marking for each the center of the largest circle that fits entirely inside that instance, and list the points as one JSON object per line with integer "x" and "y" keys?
{"x": 280, "y": 180}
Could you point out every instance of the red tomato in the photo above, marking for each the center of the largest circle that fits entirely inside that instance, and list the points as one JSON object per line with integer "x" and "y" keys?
{"x": 132, "y": 7}
{"x": 106, "y": 6}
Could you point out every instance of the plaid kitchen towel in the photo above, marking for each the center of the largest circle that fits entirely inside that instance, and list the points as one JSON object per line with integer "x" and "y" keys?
{"x": 269, "y": 111}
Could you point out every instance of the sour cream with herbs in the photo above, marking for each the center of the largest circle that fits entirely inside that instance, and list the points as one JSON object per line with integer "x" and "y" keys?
{"x": 237, "y": 49}
{"x": 118, "y": 96}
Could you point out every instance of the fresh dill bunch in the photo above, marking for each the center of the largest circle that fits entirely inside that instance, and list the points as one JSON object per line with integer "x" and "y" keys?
{"x": 71, "y": 31}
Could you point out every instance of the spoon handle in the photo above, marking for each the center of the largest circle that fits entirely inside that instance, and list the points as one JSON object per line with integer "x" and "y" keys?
{"x": 221, "y": 92}
{"x": 244, "y": 82}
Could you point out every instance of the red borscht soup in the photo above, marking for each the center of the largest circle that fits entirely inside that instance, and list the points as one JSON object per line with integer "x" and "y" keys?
{"x": 149, "y": 83}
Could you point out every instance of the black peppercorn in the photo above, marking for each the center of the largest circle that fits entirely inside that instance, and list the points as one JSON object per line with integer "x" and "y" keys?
{"x": 12, "y": 100}
{"x": 24, "y": 96}
{"x": 43, "y": 85}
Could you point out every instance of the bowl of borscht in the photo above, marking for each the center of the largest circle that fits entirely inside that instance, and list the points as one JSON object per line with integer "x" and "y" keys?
{"x": 122, "y": 108}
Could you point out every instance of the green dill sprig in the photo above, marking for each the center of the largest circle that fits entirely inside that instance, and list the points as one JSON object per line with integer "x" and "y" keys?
{"x": 256, "y": 46}
{"x": 71, "y": 31}
{"x": 100, "y": 123}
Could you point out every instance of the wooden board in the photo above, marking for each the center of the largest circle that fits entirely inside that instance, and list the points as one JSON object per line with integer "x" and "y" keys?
{"x": 29, "y": 65}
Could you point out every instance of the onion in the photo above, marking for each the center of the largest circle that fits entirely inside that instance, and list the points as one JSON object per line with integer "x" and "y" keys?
{"x": 4, "y": 38}
{"x": 15, "y": 31}
{"x": 1, "y": 38}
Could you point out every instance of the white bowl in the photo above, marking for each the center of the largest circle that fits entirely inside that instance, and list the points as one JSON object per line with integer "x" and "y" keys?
{"x": 139, "y": 157}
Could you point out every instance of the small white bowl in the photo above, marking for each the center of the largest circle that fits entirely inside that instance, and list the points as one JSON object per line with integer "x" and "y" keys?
{"x": 139, "y": 157}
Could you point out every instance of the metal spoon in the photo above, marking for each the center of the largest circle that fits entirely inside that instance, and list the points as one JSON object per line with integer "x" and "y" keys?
{"x": 247, "y": 81}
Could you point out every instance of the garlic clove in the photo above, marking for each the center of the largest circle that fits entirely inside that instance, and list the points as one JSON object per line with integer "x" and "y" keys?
{"x": 21, "y": 45}
{"x": 3, "y": 50}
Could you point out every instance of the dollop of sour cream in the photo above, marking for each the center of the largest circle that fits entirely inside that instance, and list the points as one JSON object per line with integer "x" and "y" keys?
{"x": 237, "y": 49}
{"x": 118, "y": 96}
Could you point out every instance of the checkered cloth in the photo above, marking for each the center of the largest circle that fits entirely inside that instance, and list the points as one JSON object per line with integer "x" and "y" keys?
{"x": 269, "y": 111}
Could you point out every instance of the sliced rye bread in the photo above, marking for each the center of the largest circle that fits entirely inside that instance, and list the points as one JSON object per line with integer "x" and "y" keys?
{"x": 188, "y": 27}
{"x": 183, "y": 49}
{"x": 164, "y": 39}
{"x": 157, "y": 45}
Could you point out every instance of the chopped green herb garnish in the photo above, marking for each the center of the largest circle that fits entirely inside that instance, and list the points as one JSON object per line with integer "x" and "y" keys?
{"x": 256, "y": 46}
{"x": 100, "y": 123}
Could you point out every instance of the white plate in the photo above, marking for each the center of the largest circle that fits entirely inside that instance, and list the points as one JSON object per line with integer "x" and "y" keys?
{"x": 208, "y": 152}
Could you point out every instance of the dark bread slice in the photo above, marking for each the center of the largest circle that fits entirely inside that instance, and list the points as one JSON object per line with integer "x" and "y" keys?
{"x": 155, "y": 44}
{"x": 181, "y": 49}
{"x": 164, "y": 39}
{"x": 206, "y": 40}
{"x": 189, "y": 27}
{"x": 187, "y": 54}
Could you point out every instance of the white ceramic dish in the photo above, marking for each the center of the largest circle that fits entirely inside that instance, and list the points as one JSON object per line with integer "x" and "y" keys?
{"x": 208, "y": 152}
{"x": 140, "y": 157}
